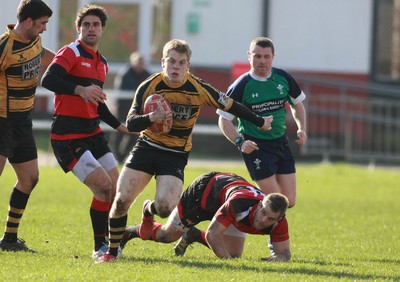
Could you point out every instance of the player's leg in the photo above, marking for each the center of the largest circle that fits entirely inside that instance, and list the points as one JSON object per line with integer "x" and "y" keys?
{"x": 168, "y": 191}
{"x": 287, "y": 184}
{"x": 93, "y": 175}
{"x": 130, "y": 184}
{"x": 268, "y": 185}
{"x": 27, "y": 178}
{"x": 24, "y": 161}
{"x": 286, "y": 173}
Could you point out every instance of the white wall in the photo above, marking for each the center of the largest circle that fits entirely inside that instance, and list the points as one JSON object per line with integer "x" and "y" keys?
{"x": 8, "y": 13}
{"x": 316, "y": 35}
{"x": 310, "y": 35}
{"x": 226, "y": 28}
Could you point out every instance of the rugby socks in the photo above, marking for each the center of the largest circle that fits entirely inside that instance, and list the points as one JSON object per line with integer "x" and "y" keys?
{"x": 117, "y": 229}
{"x": 18, "y": 201}
{"x": 99, "y": 215}
{"x": 196, "y": 235}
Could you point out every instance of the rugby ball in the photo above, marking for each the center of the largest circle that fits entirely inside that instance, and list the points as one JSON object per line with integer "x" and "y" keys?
{"x": 152, "y": 103}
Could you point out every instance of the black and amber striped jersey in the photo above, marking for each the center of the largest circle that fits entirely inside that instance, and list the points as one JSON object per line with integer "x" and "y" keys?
{"x": 19, "y": 74}
{"x": 186, "y": 102}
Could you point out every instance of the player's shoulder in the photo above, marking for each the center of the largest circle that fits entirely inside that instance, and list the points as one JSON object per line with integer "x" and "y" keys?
{"x": 281, "y": 72}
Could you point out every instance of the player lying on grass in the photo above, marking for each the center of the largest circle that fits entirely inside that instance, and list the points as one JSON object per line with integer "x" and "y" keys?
{"x": 234, "y": 206}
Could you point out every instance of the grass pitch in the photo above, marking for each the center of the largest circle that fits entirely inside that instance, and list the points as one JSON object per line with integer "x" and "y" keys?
{"x": 345, "y": 226}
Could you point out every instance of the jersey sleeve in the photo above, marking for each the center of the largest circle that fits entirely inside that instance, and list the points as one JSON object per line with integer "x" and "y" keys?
{"x": 280, "y": 232}
{"x": 66, "y": 58}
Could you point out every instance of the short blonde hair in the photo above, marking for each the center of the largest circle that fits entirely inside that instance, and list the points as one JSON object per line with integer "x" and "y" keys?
{"x": 179, "y": 45}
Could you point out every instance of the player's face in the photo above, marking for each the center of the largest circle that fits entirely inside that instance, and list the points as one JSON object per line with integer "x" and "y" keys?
{"x": 265, "y": 217}
{"x": 38, "y": 26}
{"x": 90, "y": 31}
{"x": 175, "y": 66}
{"x": 261, "y": 60}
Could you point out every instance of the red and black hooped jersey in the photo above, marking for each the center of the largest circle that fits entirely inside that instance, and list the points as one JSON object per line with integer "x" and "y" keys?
{"x": 75, "y": 117}
{"x": 19, "y": 74}
{"x": 233, "y": 200}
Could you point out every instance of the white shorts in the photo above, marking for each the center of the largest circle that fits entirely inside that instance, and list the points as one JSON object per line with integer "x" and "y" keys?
{"x": 87, "y": 164}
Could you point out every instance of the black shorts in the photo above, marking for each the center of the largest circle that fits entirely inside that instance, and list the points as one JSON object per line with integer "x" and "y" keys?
{"x": 273, "y": 157}
{"x": 17, "y": 142}
{"x": 189, "y": 207}
{"x": 68, "y": 152}
{"x": 155, "y": 161}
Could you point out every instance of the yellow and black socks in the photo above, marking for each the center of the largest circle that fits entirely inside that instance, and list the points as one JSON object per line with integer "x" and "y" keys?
{"x": 117, "y": 229}
{"x": 18, "y": 201}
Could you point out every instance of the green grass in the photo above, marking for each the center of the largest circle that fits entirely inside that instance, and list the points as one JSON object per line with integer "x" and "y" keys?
{"x": 345, "y": 226}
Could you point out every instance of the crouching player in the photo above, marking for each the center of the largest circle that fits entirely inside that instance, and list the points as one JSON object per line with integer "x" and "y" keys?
{"x": 234, "y": 206}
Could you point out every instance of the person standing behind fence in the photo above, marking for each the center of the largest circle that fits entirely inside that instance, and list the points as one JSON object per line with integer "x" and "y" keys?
{"x": 266, "y": 91}
{"x": 77, "y": 75}
{"x": 128, "y": 79}
{"x": 22, "y": 60}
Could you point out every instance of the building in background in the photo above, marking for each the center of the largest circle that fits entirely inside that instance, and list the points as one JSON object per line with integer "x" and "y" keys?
{"x": 346, "y": 54}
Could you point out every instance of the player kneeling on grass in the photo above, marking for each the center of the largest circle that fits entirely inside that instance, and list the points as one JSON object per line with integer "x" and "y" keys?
{"x": 234, "y": 206}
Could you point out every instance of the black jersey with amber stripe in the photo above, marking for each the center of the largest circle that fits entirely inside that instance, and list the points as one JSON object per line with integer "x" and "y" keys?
{"x": 186, "y": 102}
{"x": 19, "y": 74}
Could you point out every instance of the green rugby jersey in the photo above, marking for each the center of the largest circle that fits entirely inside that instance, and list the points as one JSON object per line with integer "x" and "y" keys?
{"x": 265, "y": 97}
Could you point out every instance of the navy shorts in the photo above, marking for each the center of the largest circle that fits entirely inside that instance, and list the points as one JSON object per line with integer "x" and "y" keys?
{"x": 68, "y": 152}
{"x": 17, "y": 142}
{"x": 155, "y": 161}
{"x": 273, "y": 157}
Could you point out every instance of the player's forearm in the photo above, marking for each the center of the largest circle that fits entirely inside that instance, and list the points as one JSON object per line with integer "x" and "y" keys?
{"x": 216, "y": 244}
{"x": 228, "y": 129}
{"x": 299, "y": 116}
{"x": 137, "y": 123}
{"x": 241, "y": 111}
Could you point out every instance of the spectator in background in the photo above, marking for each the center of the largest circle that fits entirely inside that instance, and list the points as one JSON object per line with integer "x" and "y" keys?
{"x": 22, "y": 60}
{"x": 128, "y": 79}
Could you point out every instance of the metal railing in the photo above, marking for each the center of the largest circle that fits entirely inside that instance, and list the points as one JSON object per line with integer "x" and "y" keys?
{"x": 347, "y": 120}
{"x": 352, "y": 121}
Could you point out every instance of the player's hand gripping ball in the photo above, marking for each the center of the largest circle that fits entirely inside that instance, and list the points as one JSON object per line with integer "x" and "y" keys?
{"x": 158, "y": 103}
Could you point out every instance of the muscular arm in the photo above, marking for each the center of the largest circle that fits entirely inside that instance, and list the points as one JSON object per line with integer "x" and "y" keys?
{"x": 214, "y": 236}
{"x": 47, "y": 57}
{"x": 280, "y": 251}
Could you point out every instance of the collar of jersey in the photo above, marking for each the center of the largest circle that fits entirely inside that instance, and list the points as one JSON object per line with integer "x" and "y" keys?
{"x": 259, "y": 78}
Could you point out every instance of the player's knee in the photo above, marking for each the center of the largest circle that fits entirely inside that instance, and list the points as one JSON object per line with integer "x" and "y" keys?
{"x": 164, "y": 211}
{"x": 121, "y": 205}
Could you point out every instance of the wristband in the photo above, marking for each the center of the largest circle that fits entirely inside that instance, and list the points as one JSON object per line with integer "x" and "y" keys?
{"x": 239, "y": 142}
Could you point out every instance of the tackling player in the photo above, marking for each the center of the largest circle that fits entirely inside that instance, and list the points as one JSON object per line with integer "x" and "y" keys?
{"x": 235, "y": 207}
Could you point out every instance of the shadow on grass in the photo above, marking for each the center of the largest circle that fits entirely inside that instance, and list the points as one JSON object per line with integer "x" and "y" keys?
{"x": 270, "y": 268}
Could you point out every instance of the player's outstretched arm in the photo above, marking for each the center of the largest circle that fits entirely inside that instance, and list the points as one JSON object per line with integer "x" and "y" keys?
{"x": 214, "y": 236}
